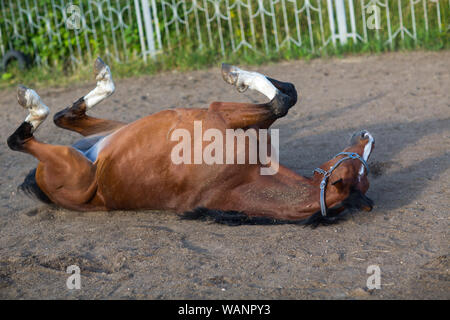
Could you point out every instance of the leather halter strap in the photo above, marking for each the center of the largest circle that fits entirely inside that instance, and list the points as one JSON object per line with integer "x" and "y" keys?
{"x": 327, "y": 174}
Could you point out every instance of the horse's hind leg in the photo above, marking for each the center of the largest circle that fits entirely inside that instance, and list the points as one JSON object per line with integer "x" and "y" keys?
{"x": 282, "y": 97}
{"x": 75, "y": 118}
{"x": 63, "y": 174}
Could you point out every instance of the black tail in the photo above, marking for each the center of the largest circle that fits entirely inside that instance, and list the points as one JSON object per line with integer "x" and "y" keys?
{"x": 30, "y": 187}
{"x": 356, "y": 200}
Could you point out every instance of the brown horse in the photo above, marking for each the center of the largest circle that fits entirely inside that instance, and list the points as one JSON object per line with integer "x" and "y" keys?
{"x": 120, "y": 166}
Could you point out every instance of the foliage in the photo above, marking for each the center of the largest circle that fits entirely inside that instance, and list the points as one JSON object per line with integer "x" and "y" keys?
{"x": 66, "y": 55}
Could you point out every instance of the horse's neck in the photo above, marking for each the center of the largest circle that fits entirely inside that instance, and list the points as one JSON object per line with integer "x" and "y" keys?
{"x": 284, "y": 195}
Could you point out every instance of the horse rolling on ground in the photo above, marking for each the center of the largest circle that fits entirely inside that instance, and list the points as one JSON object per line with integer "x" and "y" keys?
{"x": 120, "y": 166}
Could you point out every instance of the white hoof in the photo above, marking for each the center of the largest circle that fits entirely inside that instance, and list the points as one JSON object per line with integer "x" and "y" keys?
{"x": 245, "y": 79}
{"x": 105, "y": 84}
{"x": 29, "y": 99}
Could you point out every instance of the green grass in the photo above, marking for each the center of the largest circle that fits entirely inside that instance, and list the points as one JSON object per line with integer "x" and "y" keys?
{"x": 182, "y": 51}
{"x": 186, "y": 58}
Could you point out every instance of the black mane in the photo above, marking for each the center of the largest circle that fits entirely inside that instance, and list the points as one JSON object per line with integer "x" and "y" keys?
{"x": 355, "y": 201}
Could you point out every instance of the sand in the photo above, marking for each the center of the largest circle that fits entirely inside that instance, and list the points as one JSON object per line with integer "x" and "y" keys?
{"x": 403, "y": 99}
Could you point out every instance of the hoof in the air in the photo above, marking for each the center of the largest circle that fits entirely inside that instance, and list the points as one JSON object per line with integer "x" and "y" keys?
{"x": 231, "y": 75}
{"x": 21, "y": 98}
{"x": 27, "y": 98}
{"x": 101, "y": 70}
{"x": 99, "y": 64}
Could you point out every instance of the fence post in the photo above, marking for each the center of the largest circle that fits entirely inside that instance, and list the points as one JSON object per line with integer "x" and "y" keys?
{"x": 351, "y": 9}
{"x": 2, "y": 48}
{"x": 331, "y": 19}
{"x": 341, "y": 20}
{"x": 155, "y": 18}
{"x": 141, "y": 32}
{"x": 148, "y": 26}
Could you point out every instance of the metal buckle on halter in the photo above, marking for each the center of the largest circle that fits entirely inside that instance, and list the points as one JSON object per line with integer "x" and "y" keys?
{"x": 321, "y": 171}
{"x": 327, "y": 174}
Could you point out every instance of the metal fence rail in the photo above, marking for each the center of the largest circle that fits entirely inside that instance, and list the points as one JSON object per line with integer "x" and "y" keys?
{"x": 268, "y": 25}
{"x": 120, "y": 29}
{"x": 76, "y": 32}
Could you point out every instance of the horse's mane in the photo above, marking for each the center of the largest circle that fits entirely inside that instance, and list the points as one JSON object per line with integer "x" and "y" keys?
{"x": 355, "y": 201}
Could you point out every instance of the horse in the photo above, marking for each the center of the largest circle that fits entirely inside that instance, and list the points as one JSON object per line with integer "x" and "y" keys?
{"x": 128, "y": 166}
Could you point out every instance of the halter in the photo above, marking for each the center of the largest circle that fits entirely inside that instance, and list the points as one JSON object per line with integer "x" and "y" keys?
{"x": 327, "y": 174}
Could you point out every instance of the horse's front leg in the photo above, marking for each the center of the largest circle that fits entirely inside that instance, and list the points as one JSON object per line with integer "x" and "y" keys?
{"x": 74, "y": 118}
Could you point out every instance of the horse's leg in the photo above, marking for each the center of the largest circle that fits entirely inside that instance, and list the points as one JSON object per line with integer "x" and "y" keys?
{"x": 282, "y": 97}
{"x": 75, "y": 118}
{"x": 63, "y": 174}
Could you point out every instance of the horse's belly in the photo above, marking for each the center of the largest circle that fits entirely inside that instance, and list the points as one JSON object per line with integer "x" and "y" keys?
{"x": 134, "y": 166}
{"x": 135, "y": 169}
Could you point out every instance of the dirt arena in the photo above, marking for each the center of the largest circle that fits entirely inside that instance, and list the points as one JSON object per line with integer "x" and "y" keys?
{"x": 403, "y": 99}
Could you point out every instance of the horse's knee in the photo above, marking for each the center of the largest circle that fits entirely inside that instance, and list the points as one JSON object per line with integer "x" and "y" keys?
{"x": 288, "y": 89}
{"x": 15, "y": 143}
{"x": 20, "y": 136}
{"x": 291, "y": 92}
{"x": 281, "y": 104}
{"x": 64, "y": 117}
{"x": 76, "y": 111}
{"x": 58, "y": 118}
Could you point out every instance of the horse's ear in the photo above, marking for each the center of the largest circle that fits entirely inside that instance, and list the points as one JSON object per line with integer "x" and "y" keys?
{"x": 339, "y": 184}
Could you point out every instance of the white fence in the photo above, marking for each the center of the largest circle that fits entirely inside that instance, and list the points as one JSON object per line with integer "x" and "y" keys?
{"x": 146, "y": 28}
{"x": 310, "y": 23}
{"x": 75, "y": 31}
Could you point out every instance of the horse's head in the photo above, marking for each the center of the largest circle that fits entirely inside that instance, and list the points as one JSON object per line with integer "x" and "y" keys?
{"x": 362, "y": 141}
{"x": 347, "y": 173}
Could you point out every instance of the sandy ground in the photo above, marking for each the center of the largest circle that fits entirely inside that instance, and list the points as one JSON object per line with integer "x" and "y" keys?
{"x": 403, "y": 99}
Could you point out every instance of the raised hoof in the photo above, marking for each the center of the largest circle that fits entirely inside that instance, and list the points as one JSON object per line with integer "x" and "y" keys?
{"x": 100, "y": 69}
{"x": 21, "y": 98}
{"x": 231, "y": 75}
{"x": 99, "y": 64}
{"x": 27, "y": 98}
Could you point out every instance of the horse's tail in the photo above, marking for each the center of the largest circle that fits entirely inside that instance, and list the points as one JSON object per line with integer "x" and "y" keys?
{"x": 30, "y": 187}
